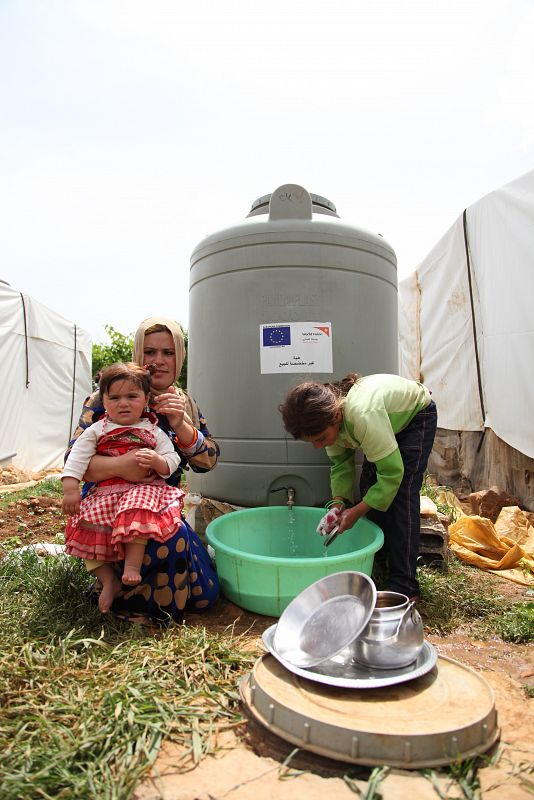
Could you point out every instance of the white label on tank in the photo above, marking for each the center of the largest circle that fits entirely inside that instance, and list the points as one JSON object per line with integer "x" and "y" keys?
{"x": 295, "y": 347}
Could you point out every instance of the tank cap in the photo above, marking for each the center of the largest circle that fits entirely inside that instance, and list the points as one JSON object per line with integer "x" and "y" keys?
{"x": 317, "y": 201}
{"x": 290, "y": 201}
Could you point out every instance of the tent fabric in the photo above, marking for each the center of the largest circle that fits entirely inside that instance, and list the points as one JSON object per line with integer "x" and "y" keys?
{"x": 45, "y": 364}
{"x": 438, "y": 329}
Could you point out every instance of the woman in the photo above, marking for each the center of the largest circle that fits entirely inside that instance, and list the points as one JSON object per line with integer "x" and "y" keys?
{"x": 393, "y": 421}
{"x": 178, "y": 575}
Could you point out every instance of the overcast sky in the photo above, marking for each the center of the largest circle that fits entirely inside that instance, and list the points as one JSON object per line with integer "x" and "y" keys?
{"x": 130, "y": 130}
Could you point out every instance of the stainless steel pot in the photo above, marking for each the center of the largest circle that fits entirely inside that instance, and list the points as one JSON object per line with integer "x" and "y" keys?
{"x": 394, "y": 635}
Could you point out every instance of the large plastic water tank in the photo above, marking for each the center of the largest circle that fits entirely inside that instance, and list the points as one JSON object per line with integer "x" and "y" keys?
{"x": 292, "y": 267}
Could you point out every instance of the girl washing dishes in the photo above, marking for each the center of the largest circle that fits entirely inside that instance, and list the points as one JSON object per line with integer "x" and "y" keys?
{"x": 393, "y": 421}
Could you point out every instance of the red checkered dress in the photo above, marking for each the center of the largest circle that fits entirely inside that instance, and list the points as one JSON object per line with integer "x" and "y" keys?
{"x": 118, "y": 511}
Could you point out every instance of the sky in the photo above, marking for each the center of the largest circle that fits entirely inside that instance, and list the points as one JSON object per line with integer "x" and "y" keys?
{"x": 131, "y": 130}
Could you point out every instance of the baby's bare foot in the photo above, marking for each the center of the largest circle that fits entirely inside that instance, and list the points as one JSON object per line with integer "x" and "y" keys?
{"x": 131, "y": 577}
{"x": 109, "y": 592}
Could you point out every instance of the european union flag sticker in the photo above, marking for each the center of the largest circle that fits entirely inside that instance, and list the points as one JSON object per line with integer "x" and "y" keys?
{"x": 274, "y": 337}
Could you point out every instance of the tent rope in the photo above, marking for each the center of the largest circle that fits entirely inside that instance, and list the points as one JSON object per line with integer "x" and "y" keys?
{"x": 477, "y": 359}
{"x": 25, "y": 340}
{"x": 73, "y": 385}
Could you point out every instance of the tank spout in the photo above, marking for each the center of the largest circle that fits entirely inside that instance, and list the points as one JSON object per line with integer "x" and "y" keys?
{"x": 291, "y": 492}
{"x": 290, "y": 497}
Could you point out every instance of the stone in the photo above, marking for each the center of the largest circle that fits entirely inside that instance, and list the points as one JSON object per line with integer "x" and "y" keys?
{"x": 488, "y": 502}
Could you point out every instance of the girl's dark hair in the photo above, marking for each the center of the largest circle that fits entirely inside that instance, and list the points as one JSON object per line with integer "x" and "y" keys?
{"x": 124, "y": 371}
{"x": 310, "y": 407}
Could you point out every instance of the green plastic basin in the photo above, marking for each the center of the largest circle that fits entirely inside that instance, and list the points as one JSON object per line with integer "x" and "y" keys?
{"x": 264, "y": 559}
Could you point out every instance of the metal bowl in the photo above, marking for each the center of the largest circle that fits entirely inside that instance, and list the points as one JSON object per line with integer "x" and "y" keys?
{"x": 324, "y": 618}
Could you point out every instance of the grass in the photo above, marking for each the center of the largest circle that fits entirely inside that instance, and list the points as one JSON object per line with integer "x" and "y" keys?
{"x": 465, "y": 775}
{"x": 457, "y": 597}
{"x": 51, "y": 487}
{"x": 87, "y": 702}
{"x": 465, "y": 597}
{"x": 517, "y": 624}
{"x": 434, "y": 493}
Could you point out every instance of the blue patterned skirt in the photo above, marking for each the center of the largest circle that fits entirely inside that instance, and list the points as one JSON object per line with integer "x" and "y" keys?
{"x": 176, "y": 576}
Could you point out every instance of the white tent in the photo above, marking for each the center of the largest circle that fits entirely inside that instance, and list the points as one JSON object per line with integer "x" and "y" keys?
{"x": 466, "y": 329}
{"x": 45, "y": 364}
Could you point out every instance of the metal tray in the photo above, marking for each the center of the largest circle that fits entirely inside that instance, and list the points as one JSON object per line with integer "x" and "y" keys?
{"x": 346, "y": 673}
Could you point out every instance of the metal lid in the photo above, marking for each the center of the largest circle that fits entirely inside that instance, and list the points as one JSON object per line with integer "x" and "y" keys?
{"x": 440, "y": 718}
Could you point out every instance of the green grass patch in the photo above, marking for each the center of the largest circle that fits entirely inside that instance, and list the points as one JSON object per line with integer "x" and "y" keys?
{"x": 517, "y": 624}
{"x": 460, "y": 596}
{"x": 51, "y": 487}
{"x": 465, "y": 597}
{"x": 87, "y": 701}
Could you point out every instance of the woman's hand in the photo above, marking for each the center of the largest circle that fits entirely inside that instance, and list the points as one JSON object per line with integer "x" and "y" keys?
{"x": 102, "y": 468}
{"x": 172, "y": 404}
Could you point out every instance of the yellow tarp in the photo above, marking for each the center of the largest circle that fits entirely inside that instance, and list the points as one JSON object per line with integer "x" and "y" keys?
{"x": 506, "y": 548}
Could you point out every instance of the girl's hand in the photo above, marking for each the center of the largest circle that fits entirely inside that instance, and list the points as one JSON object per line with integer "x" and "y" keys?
{"x": 329, "y": 521}
{"x": 149, "y": 459}
{"x": 350, "y": 517}
{"x": 71, "y": 501}
{"x": 145, "y": 457}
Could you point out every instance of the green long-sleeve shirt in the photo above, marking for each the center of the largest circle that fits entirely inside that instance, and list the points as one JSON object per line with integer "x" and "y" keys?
{"x": 375, "y": 409}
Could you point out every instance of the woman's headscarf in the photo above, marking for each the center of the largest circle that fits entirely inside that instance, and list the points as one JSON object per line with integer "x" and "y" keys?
{"x": 178, "y": 338}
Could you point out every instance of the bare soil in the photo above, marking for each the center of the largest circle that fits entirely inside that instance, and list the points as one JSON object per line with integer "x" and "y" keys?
{"x": 249, "y": 761}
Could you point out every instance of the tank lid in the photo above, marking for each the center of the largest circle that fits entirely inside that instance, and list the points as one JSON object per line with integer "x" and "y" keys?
{"x": 317, "y": 200}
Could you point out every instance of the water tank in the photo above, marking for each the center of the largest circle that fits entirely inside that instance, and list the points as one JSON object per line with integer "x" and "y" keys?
{"x": 290, "y": 293}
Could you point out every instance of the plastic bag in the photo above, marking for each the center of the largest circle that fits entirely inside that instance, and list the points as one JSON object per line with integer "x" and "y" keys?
{"x": 475, "y": 540}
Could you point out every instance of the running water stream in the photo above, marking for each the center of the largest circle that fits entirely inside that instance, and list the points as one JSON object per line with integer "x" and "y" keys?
{"x": 291, "y": 533}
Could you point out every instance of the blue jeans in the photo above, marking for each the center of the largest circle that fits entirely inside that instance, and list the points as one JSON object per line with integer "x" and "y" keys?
{"x": 401, "y": 522}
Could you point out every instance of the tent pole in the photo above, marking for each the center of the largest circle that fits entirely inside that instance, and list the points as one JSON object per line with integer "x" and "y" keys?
{"x": 25, "y": 340}
{"x": 73, "y": 386}
{"x": 469, "y": 277}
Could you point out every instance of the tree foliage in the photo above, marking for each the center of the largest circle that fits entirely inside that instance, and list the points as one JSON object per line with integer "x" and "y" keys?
{"x": 119, "y": 348}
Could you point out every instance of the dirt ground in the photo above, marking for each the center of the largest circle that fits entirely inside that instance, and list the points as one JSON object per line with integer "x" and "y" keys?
{"x": 249, "y": 761}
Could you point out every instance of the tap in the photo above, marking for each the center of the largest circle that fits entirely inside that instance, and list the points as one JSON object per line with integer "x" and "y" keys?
{"x": 290, "y": 494}
{"x": 290, "y": 497}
